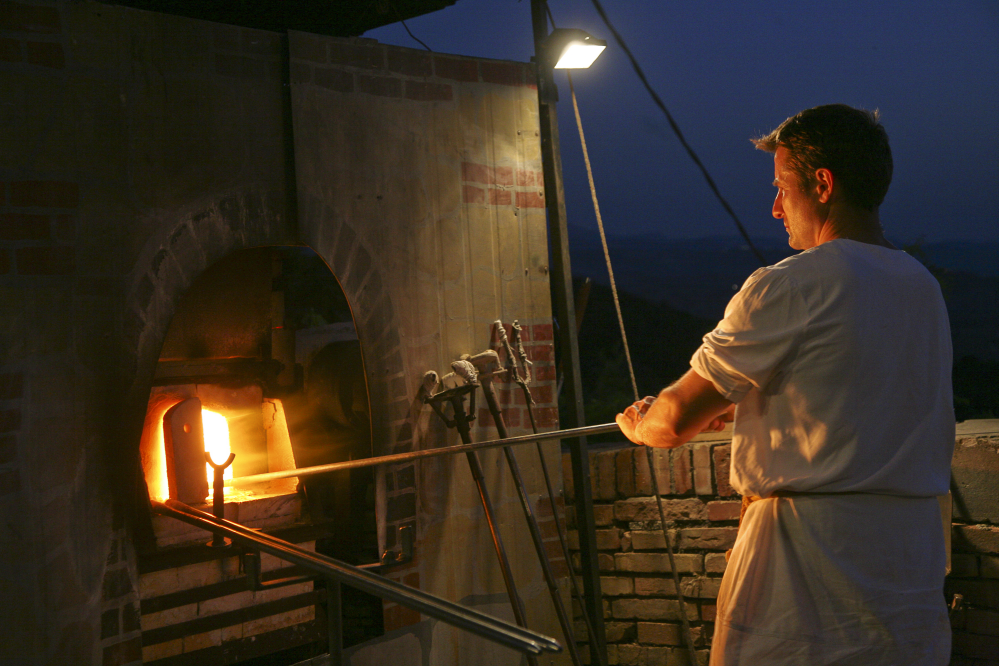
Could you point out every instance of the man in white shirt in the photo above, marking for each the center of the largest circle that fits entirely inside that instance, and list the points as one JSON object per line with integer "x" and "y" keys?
{"x": 836, "y": 366}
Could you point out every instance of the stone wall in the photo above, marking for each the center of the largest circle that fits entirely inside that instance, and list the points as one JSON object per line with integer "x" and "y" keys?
{"x": 640, "y": 607}
{"x": 975, "y": 544}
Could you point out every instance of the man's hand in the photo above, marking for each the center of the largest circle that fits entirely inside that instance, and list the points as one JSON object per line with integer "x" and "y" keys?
{"x": 628, "y": 419}
{"x": 689, "y": 406}
{"x": 718, "y": 423}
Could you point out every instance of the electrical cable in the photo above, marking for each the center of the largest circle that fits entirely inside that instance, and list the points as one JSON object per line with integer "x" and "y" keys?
{"x": 676, "y": 130}
{"x": 410, "y": 32}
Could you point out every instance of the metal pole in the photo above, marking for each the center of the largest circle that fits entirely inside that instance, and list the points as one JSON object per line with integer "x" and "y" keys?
{"x": 397, "y": 458}
{"x": 480, "y": 624}
{"x": 532, "y": 524}
{"x": 561, "y": 274}
{"x": 334, "y": 621}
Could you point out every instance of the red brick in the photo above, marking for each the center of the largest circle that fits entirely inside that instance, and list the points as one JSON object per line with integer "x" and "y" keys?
{"x": 23, "y": 226}
{"x": 528, "y": 177}
{"x": 681, "y": 463}
{"x": 540, "y": 353}
{"x": 511, "y": 417}
{"x": 369, "y": 56}
{"x": 722, "y": 456}
{"x": 543, "y": 332}
{"x": 45, "y": 193}
{"x": 544, "y": 373}
{"x": 19, "y": 17}
{"x": 11, "y": 385}
{"x": 410, "y": 62}
{"x": 500, "y": 197}
{"x": 546, "y": 416}
{"x": 567, "y": 481}
{"x": 543, "y": 393}
{"x": 503, "y": 176}
{"x": 45, "y": 260}
{"x": 724, "y": 510}
{"x": 123, "y": 653}
{"x": 334, "y": 79}
{"x": 708, "y": 612}
{"x": 10, "y": 51}
{"x": 457, "y": 69}
{"x": 530, "y": 200}
{"x": 473, "y": 195}
{"x": 423, "y": 91}
{"x": 512, "y": 396}
{"x": 625, "y": 463}
{"x": 504, "y": 73}
{"x": 46, "y": 54}
{"x": 485, "y": 418}
{"x": 476, "y": 173}
{"x": 382, "y": 86}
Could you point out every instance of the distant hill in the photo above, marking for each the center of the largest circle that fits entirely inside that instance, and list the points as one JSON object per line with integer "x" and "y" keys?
{"x": 699, "y": 277}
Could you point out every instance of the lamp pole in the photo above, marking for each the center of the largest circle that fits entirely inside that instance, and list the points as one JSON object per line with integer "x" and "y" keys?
{"x": 565, "y": 311}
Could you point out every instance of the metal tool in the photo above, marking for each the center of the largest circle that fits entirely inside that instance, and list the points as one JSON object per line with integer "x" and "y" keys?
{"x": 218, "y": 497}
{"x": 522, "y": 382}
{"x": 487, "y": 365}
{"x": 461, "y": 421}
{"x": 395, "y": 458}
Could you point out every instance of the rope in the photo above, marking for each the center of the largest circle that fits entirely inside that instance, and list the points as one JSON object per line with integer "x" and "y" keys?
{"x": 603, "y": 237}
{"x": 688, "y": 637}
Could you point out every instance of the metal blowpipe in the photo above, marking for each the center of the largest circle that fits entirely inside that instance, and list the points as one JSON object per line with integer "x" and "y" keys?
{"x": 568, "y": 433}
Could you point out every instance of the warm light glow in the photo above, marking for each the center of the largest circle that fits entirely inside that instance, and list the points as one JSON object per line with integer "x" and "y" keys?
{"x": 216, "y": 431}
{"x": 579, "y": 54}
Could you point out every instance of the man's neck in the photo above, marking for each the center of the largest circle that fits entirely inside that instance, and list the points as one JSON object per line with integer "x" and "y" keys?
{"x": 856, "y": 224}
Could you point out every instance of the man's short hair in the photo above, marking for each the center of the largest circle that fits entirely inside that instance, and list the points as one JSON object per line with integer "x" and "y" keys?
{"x": 850, "y": 142}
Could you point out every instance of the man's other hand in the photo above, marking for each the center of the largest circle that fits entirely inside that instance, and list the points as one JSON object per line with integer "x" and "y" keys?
{"x": 718, "y": 423}
{"x": 628, "y": 419}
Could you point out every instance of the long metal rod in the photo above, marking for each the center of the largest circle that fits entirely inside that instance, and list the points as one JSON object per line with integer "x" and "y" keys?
{"x": 517, "y": 604}
{"x": 532, "y": 524}
{"x": 426, "y": 453}
{"x": 473, "y": 621}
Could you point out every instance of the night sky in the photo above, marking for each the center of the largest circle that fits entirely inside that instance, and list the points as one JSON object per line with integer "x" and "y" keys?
{"x": 729, "y": 71}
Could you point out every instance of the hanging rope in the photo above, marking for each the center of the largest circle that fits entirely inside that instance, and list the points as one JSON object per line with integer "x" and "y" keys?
{"x": 685, "y": 623}
{"x": 603, "y": 237}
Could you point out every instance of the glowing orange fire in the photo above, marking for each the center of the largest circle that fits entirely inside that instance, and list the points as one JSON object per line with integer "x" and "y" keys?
{"x": 216, "y": 430}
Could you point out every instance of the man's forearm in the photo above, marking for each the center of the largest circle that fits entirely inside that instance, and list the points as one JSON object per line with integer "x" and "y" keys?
{"x": 680, "y": 412}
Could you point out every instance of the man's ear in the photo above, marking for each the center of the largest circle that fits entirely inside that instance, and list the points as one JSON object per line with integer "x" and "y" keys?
{"x": 824, "y": 183}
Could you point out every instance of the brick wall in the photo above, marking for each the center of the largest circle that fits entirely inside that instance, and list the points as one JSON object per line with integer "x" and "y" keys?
{"x": 975, "y": 545}
{"x": 641, "y": 610}
{"x": 640, "y": 606}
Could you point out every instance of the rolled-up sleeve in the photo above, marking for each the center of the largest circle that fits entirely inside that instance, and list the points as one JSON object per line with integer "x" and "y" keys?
{"x": 762, "y": 325}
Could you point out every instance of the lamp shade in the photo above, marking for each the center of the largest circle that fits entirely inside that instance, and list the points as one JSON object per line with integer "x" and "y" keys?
{"x": 570, "y": 48}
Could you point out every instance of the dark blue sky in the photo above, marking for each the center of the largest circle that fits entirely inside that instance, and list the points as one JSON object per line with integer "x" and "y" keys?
{"x": 735, "y": 70}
